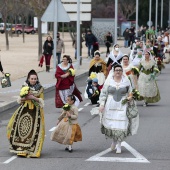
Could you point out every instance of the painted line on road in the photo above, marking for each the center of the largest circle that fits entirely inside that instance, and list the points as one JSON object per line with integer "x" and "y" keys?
{"x": 52, "y": 129}
{"x": 10, "y": 159}
{"x": 86, "y": 104}
{"x": 80, "y": 109}
{"x": 139, "y": 158}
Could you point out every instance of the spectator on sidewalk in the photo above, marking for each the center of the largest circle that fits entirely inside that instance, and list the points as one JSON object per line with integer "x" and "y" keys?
{"x": 108, "y": 39}
{"x": 48, "y": 51}
{"x": 1, "y": 68}
{"x": 60, "y": 47}
{"x": 126, "y": 37}
{"x": 90, "y": 40}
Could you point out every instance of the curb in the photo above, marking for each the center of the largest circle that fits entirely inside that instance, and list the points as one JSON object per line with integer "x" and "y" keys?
{"x": 48, "y": 89}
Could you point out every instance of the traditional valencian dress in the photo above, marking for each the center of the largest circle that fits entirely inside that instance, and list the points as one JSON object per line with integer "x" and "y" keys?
{"x": 26, "y": 129}
{"x": 65, "y": 86}
{"x": 114, "y": 121}
{"x": 68, "y": 129}
{"x": 147, "y": 86}
{"x": 132, "y": 77}
{"x": 114, "y": 60}
{"x": 98, "y": 67}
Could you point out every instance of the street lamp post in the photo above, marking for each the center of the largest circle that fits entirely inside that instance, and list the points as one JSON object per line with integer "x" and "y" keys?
{"x": 161, "y": 13}
{"x": 55, "y": 35}
{"x": 156, "y": 17}
{"x": 78, "y": 34}
{"x": 169, "y": 13}
{"x": 137, "y": 9}
{"x": 150, "y": 10}
{"x": 116, "y": 12}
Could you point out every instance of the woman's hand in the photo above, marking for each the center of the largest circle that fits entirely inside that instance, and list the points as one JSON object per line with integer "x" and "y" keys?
{"x": 129, "y": 98}
{"x": 68, "y": 114}
{"x": 30, "y": 97}
{"x": 101, "y": 109}
{"x": 58, "y": 122}
{"x": 64, "y": 75}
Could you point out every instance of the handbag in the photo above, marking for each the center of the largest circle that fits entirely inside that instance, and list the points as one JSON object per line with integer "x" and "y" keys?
{"x": 132, "y": 110}
{"x": 41, "y": 61}
{"x": 5, "y": 81}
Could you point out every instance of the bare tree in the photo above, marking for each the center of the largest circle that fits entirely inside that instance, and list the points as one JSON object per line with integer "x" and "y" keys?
{"x": 6, "y": 7}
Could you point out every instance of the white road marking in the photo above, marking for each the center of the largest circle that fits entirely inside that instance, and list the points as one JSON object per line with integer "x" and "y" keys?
{"x": 80, "y": 109}
{"x": 10, "y": 159}
{"x": 86, "y": 104}
{"x": 52, "y": 129}
{"x": 139, "y": 158}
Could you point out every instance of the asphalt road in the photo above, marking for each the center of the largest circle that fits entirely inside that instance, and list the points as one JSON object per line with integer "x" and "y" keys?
{"x": 151, "y": 144}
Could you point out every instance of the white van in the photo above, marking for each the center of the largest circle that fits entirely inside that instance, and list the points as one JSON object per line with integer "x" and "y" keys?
{"x": 8, "y": 27}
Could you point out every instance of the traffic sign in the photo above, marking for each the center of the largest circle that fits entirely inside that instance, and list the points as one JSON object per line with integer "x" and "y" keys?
{"x": 49, "y": 14}
{"x": 149, "y": 23}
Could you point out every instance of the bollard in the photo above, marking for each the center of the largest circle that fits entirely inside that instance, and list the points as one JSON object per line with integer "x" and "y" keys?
{"x": 80, "y": 60}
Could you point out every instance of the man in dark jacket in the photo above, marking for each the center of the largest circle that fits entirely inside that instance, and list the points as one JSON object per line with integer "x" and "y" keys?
{"x": 90, "y": 40}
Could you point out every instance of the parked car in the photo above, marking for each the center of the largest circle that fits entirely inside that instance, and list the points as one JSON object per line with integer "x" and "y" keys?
{"x": 2, "y": 27}
{"x": 27, "y": 29}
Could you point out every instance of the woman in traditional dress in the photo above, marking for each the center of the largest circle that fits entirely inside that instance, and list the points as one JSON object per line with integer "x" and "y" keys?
{"x": 48, "y": 51}
{"x": 65, "y": 85}
{"x": 147, "y": 85}
{"x": 98, "y": 66}
{"x": 68, "y": 129}
{"x": 25, "y": 130}
{"x": 138, "y": 58}
{"x": 115, "y": 57}
{"x": 115, "y": 123}
{"x": 129, "y": 71}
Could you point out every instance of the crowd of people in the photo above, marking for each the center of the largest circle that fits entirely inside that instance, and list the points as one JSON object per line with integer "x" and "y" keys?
{"x": 114, "y": 85}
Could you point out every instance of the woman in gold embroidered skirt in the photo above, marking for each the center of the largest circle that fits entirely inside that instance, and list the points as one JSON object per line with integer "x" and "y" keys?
{"x": 25, "y": 130}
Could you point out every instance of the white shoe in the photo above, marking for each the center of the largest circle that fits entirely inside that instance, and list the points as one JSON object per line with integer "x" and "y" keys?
{"x": 118, "y": 150}
{"x": 113, "y": 147}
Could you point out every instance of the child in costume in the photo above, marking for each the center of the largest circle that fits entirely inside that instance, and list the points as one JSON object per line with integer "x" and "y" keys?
{"x": 93, "y": 90}
{"x": 68, "y": 129}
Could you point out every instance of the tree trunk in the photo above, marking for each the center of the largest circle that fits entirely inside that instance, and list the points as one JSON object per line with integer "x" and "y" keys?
{"x": 6, "y": 36}
{"x": 23, "y": 33}
{"x": 39, "y": 38}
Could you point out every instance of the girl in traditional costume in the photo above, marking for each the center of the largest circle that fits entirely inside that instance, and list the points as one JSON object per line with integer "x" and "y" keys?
{"x": 65, "y": 85}
{"x": 68, "y": 129}
{"x": 25, "y": 130}
{"x": 147, "y": 85}
{"x": 98, "y": 66}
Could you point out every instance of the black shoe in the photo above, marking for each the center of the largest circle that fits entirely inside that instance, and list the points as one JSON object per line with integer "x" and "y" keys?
{"x": 66, "y": 149}
{"x": 70, "y": 150}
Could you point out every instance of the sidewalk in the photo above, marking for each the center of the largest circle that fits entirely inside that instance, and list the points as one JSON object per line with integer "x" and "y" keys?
{"x": 9, "y": 95}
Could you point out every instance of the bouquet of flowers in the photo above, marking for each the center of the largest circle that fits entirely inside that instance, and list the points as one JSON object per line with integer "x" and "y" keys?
{"x": 136, "y": 96}
{"x": 72, "y": 72}
{"x": 93, "y": 75}
{"x": 66, "y": 107}
{"x": 24, "y": 91}
{"x": 135, "y": 70}
{"x": 96, "y": 92}
{"x": 159, "y": 63}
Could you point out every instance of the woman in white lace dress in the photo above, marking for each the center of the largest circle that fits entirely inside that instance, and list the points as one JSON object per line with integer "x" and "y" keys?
{"x": 147, "y": 85}
{"x": 114, "y": 121}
